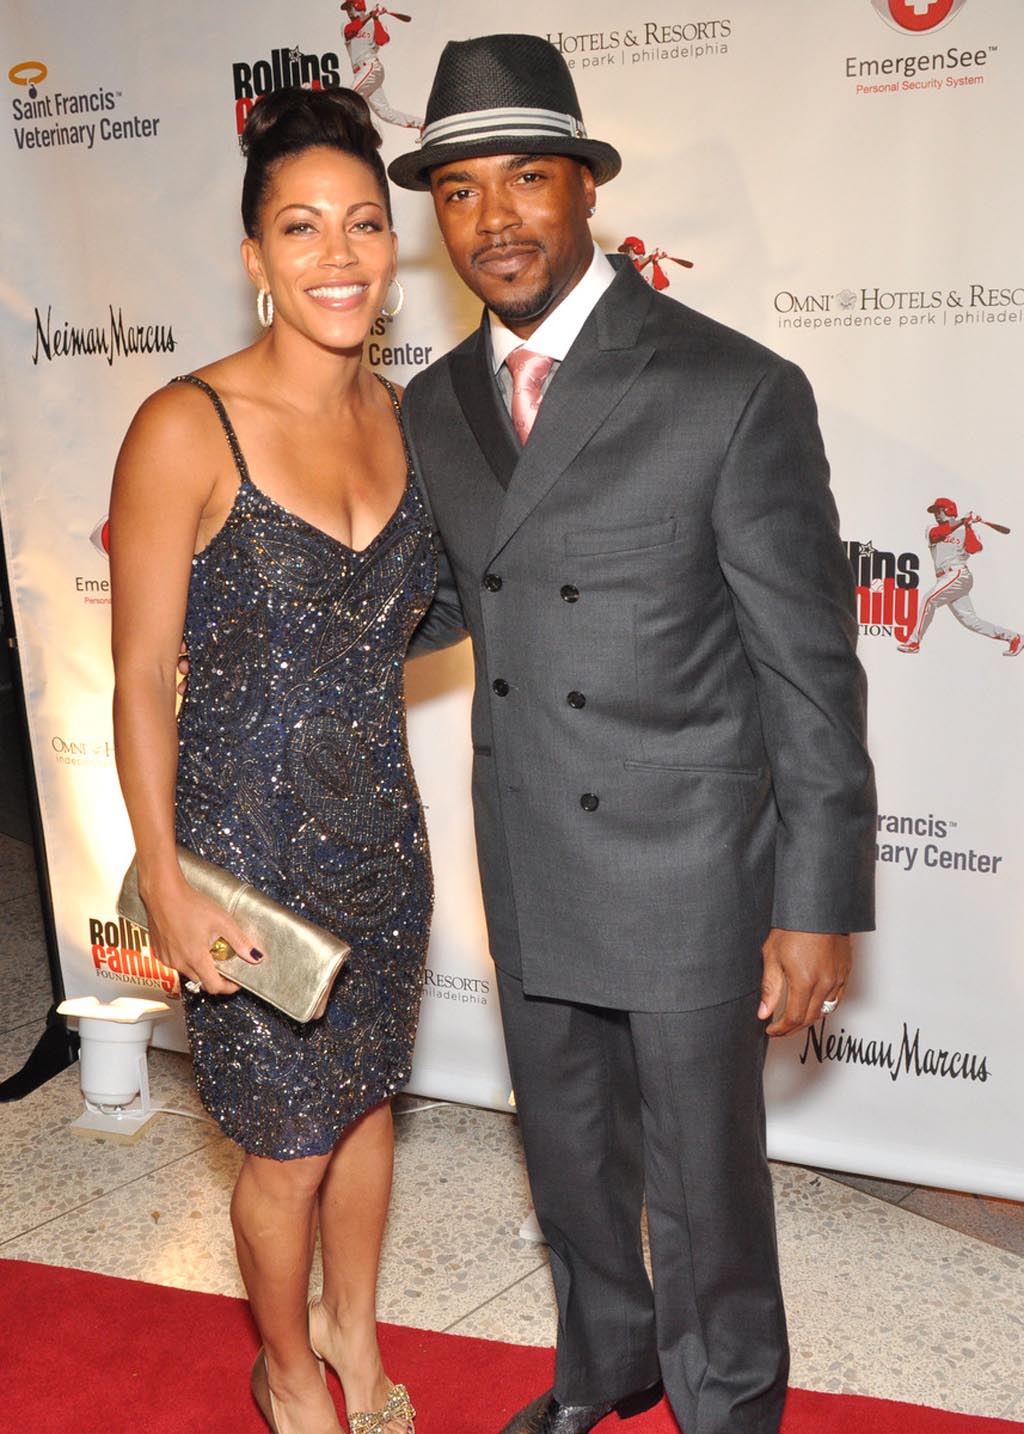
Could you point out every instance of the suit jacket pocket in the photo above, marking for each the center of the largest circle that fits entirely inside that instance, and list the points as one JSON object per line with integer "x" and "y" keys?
{"x": 620, "y": 540}
{"x": 749, "y": 773}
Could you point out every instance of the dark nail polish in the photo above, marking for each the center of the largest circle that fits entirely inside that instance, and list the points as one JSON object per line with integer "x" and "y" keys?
{"x": 256, "y": 955}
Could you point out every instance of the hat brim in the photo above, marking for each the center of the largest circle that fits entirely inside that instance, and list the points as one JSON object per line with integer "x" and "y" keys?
{"x": 412, "y": 170}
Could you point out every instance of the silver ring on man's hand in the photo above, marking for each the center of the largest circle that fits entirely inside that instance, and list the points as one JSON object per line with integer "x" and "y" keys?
{"x": 827, "y": 1007}
{"x": 193, "y": 986}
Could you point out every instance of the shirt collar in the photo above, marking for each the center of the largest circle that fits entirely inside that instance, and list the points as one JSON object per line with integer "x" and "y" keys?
{"x": 559, "y": 331}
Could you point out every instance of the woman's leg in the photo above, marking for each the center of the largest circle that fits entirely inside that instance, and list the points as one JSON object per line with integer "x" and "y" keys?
{"x": 353, "y": 1209}
{"x": 273, "y": 1212}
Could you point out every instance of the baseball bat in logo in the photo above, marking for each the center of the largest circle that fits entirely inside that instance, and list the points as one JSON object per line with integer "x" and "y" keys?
{"x": 917, "y": 16}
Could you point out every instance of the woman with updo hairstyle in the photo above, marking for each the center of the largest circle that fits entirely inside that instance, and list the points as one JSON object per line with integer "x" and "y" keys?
{"x": 264, "y": 512}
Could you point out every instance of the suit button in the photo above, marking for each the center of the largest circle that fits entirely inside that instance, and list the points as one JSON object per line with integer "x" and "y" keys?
{"x": 576, "y": 699}
{"x": 569, "y": 593}
{"x": 492, "y": 582}
{"x": 589, "y": 802}
{"x": 501, "y": 687}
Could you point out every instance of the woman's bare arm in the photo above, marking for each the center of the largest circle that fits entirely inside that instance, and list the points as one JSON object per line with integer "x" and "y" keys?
{"x": 164, "y": 483}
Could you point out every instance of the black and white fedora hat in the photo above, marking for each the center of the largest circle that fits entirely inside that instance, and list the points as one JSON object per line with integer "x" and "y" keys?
{"x": 501, "y": 94}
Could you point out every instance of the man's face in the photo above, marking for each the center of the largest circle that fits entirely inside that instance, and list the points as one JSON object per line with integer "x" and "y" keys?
{"x": 516, "y": 230}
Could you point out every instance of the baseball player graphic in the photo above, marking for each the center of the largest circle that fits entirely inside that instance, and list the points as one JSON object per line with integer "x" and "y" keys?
{"x": 636, "y": 249}
{"x": 364, "y": 34}
{"x": 953, "y": 541}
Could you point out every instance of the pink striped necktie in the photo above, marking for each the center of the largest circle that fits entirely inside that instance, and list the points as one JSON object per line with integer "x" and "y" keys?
{"x": 528, "y": 370}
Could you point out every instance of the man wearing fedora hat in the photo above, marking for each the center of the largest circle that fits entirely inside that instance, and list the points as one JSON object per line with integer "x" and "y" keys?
{"x": 674, "y": 807}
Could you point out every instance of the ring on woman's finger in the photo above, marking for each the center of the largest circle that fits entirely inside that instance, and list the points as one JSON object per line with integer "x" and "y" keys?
{"x": 220, "y": 949}
{"x": 827, "y": 1007}
{"x": 193, "y": 986}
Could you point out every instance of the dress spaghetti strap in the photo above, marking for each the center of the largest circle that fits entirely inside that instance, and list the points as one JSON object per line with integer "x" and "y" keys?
{"x": 222, "y": 414}
{"x": 396, "y": 405}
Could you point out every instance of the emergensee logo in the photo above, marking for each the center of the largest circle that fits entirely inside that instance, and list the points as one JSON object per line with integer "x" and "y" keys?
{"x": 917, "y": 16}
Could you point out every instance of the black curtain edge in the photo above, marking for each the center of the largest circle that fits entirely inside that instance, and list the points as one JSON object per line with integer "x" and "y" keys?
{"x": 10, "y": 640}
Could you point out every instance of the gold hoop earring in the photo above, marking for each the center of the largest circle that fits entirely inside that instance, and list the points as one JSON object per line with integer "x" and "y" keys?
{"x": 393, "y": 313}
{"x": 265, "y": 308}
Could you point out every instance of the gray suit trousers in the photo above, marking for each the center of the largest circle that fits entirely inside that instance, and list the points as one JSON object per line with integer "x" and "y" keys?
{"x": 616, "y": 1106}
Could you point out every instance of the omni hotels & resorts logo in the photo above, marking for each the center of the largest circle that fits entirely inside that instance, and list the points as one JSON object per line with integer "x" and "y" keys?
{"x": 873, "y": 307}
{"x": 54, "y": 118}
{"x": 646, "y": 41}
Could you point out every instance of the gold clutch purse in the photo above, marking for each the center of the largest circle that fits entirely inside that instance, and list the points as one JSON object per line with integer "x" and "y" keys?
{"x": 301, "y": 960}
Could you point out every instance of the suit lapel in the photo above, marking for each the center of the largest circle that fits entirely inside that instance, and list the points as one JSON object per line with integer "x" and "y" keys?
{"x": 485, "y": 413}
{"x": 598, "y": 371}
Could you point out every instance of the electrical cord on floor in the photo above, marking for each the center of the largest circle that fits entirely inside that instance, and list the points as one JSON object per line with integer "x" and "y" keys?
{"x": 188, "y": 1114}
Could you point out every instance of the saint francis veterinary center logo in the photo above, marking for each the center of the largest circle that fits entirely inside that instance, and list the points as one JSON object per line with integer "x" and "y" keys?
{"x": 47, "y": 118}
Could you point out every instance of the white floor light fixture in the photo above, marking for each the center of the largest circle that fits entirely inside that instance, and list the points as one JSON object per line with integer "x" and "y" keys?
{"x": 112, "y": 1062}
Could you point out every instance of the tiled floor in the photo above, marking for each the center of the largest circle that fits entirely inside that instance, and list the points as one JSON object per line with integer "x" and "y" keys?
{"x": 894, "y": 1291}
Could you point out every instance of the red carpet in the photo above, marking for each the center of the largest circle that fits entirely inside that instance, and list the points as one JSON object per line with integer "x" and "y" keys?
{"x": 96, "y": 1355}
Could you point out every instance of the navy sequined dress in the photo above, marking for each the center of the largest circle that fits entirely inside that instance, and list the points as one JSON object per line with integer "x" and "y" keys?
{"x": 293, "y": 773}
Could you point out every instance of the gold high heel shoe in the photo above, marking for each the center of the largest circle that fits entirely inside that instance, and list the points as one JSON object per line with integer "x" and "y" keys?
{"x": 309, "y": 1335}
{"x": 398, "y": 1405}
{"x": 260, "y": 1386}
{"x": 259, "y": 1383}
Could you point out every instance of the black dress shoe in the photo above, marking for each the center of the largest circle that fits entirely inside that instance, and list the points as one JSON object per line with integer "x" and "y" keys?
{"x": 546, "y": 1416}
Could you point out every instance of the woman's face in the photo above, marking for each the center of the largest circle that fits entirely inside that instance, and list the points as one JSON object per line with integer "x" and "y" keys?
{"x": 325, "y": 251}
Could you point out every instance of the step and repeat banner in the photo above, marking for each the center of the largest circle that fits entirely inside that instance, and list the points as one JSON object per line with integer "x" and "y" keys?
{"x": 845, "y": 182}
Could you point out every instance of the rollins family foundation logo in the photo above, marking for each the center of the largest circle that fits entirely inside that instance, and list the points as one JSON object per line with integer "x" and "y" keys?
{"x": 649, "y": 265}
{"x": 287, "y": 65}
{"x": 916, "y": 16}
{"x": 365, "y": 30}
{"x": 120, "y": 952}
{"x": 888, "y": 590}
{"x": 953, "y": 540}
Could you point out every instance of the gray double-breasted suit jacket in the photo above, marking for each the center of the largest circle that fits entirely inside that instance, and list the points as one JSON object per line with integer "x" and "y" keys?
{"x": 668, "y": 724}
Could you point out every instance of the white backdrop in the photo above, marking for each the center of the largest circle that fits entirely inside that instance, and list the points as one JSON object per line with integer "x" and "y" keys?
{"x": 846, "y": 181}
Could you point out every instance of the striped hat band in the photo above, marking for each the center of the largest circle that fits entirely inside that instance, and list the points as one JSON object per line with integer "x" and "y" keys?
{"x": 474, "y": 125}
